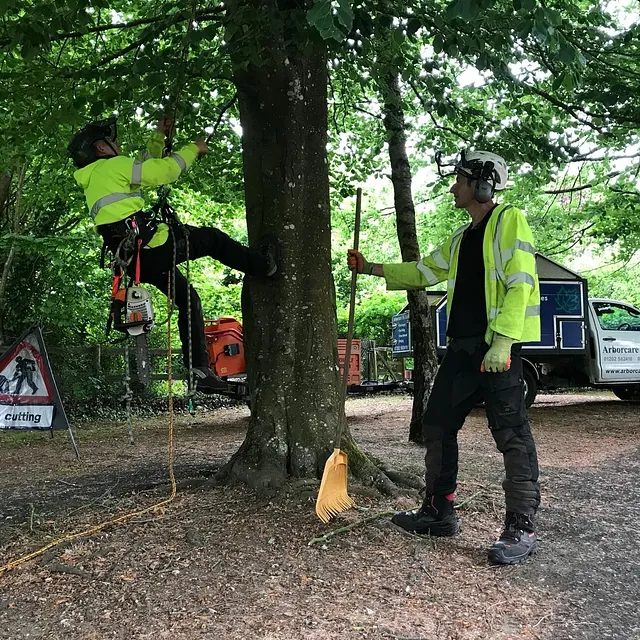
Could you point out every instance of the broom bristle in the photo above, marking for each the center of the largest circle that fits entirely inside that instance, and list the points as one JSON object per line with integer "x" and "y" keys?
{"x": 332, "y": 496}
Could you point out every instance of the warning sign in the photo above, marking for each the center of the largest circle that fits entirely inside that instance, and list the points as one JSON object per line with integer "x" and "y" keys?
{"x": 29, "y": 397}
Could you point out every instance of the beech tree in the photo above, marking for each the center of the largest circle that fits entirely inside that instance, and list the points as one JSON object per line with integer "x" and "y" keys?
{"x": 65, "y": 62}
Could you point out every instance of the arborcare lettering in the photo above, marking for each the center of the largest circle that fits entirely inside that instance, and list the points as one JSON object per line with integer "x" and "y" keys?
{"x": 23, "y": 416}
{"x": 621, "y": 349}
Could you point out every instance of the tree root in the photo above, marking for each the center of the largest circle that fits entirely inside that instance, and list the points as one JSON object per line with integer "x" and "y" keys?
{"x": 262, "y": 476}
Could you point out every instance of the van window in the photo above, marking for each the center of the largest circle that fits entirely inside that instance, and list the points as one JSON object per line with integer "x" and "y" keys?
{"x": 617, "y": 317}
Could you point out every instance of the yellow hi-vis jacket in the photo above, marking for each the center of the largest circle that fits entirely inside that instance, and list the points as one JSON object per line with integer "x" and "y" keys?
{"x": 511, "y": 283}
{"x": 113, "y": 186}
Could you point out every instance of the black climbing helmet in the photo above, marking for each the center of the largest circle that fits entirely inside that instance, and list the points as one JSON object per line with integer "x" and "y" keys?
{"x": 81, "y": 146}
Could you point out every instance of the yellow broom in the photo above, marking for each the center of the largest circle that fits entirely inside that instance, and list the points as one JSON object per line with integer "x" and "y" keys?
{"x": 332, "y": 496}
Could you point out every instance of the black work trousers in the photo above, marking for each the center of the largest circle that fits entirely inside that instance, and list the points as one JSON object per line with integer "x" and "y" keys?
{"x": 458, "y": 387}
{"x": 155, "y": 264}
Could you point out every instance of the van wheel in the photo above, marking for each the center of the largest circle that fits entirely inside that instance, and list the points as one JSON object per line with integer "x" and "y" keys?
{"x": 630, "y": 394}
{"x": 530, "y": 386}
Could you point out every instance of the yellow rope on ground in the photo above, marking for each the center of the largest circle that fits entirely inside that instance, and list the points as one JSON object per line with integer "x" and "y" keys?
{"x": 93, "y": 530}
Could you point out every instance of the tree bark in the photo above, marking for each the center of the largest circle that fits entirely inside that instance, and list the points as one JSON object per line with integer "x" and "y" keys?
{"x": 5, "y": 189}
{"x": 424, "y": 350}
{"x": 13, "y": 226}
{"x": 289, "y": 321}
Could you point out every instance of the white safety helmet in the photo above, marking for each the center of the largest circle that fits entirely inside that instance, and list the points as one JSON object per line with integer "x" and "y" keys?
{"x": 484, "y": 165}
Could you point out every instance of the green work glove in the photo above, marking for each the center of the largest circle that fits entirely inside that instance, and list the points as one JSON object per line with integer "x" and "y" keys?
{"x": 498, "y": 358}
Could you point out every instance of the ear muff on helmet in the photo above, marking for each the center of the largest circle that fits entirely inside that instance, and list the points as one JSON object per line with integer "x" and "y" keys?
{"x": 483, "y": 191}
{"x": 485, "y": 184}
{"x": 81, "y": 148}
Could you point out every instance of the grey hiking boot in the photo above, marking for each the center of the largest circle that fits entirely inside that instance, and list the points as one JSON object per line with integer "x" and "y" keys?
{"x": 517, "y": 542}
{"x": 435, "y": 517}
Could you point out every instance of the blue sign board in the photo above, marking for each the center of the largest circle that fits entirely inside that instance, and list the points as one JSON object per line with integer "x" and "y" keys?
{"x": 401, "y": 343}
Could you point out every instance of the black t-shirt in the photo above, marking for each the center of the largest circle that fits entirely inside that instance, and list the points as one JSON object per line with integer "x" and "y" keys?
{"x": 468, "y": 310}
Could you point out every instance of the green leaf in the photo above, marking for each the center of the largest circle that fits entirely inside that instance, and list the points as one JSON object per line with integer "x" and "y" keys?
{"x": 452, "y": 11}
{"x": 398, "y": 36}
{"x": 524, "y": 29}
{"x": 110, "y": 95}
{"x": 319, "y": 10}
{"x": 468, "y": 9}
{"x": 566, "y": 53}
{"x": 568, "y": 81}
{"x": 438, "y": 43}
{"x": 482, "y": 62}
{"x": 554, "y": 18}
{"x": 529, "y": 5}
{"x": 345, "y": 14}
{"x": 97, "y": 108}
{"x": 321, "y": 17}
{"x": 412, "y": 26}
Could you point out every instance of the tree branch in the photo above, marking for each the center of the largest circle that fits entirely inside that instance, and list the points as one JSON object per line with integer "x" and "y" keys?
{"x": 203, "y": 14}
{"x": 225, "y": 107}
{"x": 582, "y": 187}
{"x": 353, "y": 525}
{"x": 585, "y": 157}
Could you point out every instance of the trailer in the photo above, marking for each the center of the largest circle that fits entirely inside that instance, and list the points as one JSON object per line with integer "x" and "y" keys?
{"x": 585, "y": 342}
{"x": 225, "y": 348}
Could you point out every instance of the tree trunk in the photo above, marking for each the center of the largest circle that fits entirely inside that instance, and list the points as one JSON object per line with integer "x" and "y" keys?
{"x": 13, "y": 226}
{"x": 5, "y": 190}
{"x": 424, "y": 351}
{"x": 289, "y": 321}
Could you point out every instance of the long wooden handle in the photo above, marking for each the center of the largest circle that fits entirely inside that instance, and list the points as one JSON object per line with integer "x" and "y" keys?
{"x": 342, "y": 418}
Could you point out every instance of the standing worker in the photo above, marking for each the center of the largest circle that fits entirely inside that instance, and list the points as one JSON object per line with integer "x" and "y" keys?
{"x": 493, "y": 305}
{"x": 112, "y": 185}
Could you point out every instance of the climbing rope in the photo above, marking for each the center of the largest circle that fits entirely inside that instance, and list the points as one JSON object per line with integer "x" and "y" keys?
{"x": 127, "y": 375}
{"x": 154, "y": 507}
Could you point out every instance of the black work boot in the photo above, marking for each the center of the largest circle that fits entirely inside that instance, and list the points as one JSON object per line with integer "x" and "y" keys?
{"x": 269, "y": 249}
{"x": 208, "y": 382}
{"x": 435, "y": 517}
{"x": 517, "y": 542}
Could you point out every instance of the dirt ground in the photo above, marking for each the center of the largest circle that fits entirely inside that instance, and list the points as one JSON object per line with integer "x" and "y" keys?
{"x": 224, "y": 563}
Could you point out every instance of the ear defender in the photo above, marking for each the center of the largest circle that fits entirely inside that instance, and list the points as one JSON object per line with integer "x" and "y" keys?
{"x": 485, "y": 190}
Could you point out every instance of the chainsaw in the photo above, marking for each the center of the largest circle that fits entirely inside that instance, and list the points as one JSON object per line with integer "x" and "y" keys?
{"x": 132, "y": 314}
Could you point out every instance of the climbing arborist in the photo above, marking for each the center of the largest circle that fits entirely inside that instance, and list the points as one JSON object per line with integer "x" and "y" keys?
{"x": 493, "y": 306}
{"x": 113, "y": 184}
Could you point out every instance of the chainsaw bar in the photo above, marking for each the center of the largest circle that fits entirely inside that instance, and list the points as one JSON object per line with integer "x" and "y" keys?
{"x": 143, "y": 363}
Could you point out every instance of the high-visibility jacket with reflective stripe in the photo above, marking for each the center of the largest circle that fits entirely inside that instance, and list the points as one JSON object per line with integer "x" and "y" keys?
{"x": 112, "y": 186}
{"x": 512, "y": 290}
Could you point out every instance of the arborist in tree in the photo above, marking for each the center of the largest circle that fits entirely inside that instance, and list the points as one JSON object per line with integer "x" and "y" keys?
{"x": 493, "y": 305}
{"x": 113, "y": 183}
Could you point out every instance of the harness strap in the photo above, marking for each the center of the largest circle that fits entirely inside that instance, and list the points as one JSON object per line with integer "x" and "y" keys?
{"x": 136, "y": 280}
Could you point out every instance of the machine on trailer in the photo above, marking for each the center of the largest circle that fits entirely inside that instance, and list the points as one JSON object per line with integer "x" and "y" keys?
{"x": 225, "y": 347}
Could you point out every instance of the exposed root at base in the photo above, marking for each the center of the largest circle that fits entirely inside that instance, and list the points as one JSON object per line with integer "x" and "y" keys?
{"x": 376, "y": 473}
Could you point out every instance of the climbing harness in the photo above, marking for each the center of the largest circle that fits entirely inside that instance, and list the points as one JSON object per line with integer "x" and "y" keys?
{"x": 131, "y": 313}
{"x": 131, "y": 310}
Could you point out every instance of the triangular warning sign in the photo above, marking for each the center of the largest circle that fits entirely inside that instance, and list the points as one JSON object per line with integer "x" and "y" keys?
{"x": 29, "y": 397}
